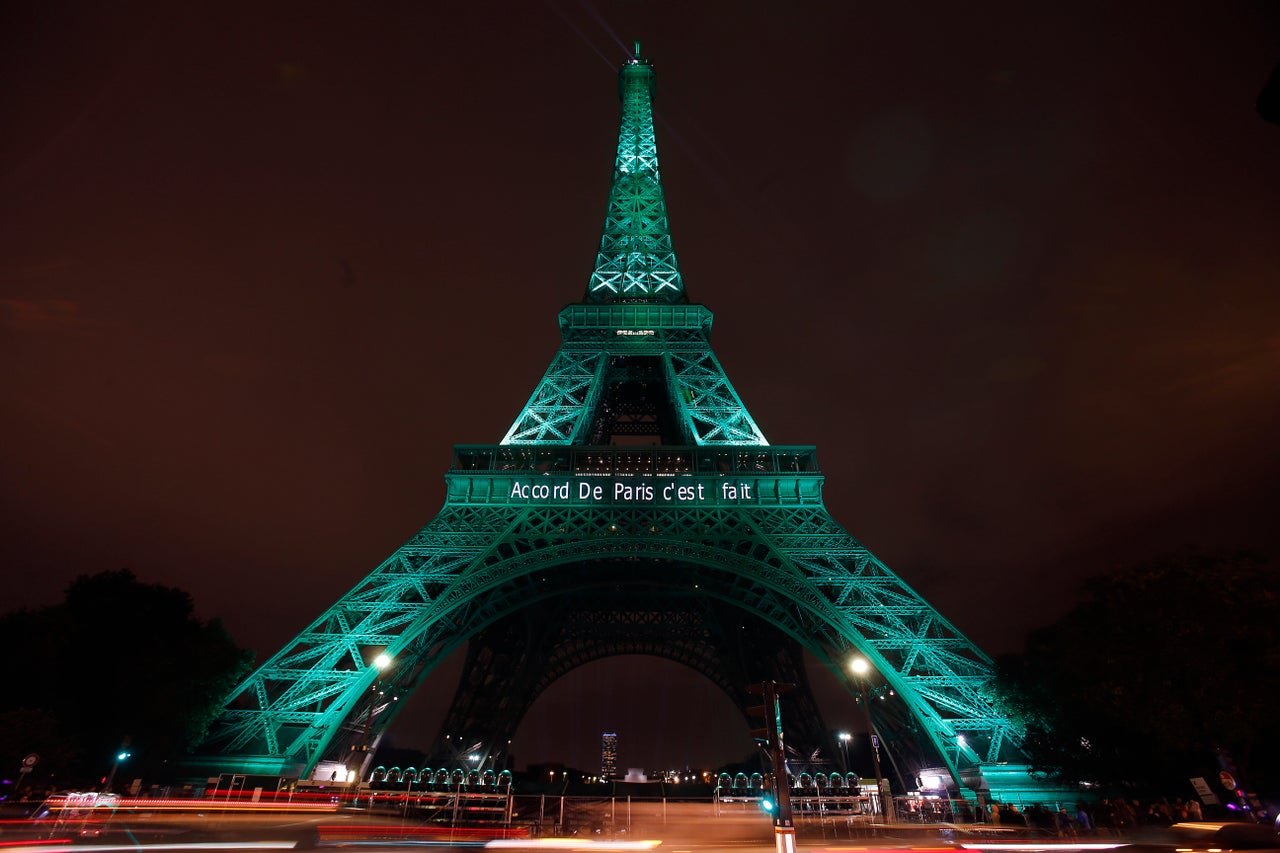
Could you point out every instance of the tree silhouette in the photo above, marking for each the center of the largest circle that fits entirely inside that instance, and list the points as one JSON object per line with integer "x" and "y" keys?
{"x": 118, "y": 662}
{"x": 1162, "y": 667}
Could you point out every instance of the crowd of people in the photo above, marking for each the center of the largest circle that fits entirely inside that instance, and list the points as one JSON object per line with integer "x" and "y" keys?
{"x": 1107, "y": 817}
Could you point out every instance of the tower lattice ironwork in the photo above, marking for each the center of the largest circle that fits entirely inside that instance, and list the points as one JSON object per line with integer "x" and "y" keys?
{"x": 634, "y": 507}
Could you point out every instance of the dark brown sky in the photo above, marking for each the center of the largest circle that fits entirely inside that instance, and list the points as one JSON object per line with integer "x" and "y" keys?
{"x": 1012, "y": 267}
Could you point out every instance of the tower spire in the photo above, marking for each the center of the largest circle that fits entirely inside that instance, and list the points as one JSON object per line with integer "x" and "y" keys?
{"x": 636, "y": 262}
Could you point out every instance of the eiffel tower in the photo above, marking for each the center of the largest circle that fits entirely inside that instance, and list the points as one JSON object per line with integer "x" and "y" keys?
{"x": 633, "y": 507}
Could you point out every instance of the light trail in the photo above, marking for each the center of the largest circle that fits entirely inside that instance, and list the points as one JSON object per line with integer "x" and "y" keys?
{"x": 38, "y": 847}
{"x": 1043, "y": 845}
{"x": 570, "y": 844}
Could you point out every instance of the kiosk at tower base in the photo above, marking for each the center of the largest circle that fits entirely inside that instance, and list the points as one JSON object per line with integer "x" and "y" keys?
{"x": 633, "y": 507}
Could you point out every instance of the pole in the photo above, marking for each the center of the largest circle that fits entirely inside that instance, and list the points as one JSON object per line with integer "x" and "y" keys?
{"x": 356, "y": 765}
{"x": 380, "y": 663}
{"x": 111, "y": 777}
{"x": 120, "y": 756}
{"x": 873, "y": 739}
{"x": 784, "y": 829}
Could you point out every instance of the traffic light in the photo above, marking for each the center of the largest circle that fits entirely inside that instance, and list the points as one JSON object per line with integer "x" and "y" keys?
{"x": 770, "y": 733}
{"x": 766, "y": 803}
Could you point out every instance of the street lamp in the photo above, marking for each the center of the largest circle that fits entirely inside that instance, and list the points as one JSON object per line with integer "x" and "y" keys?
{"x": 380, "y": 663}
{"x": 111, "y": 777}
{"x": 860, "y": 668}
{"x": 844, "y": 738}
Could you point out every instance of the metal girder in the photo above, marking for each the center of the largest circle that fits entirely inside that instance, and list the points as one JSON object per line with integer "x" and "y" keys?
{"x": 557, "y": 411}
{"x": 933, "y": 668}
{"x": 569, "y": 403}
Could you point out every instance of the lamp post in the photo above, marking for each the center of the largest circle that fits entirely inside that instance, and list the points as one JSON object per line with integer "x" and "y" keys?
{"x": 860, "y": 669}
{"x": 844, "y": 738}
{"x": 359, "y": 752}
{"x": 111, "y": 777}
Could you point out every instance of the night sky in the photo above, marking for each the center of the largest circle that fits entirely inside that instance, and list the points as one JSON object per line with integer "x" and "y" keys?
{"x": 1012, "y": 267}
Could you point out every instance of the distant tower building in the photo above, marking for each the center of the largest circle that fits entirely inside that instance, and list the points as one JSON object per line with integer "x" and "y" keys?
{"x": 608, "y": 756}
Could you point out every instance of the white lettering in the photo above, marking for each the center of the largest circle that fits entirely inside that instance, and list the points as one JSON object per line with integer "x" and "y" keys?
{"x": 628, "y": 490}
{"x": 638, "y": 492}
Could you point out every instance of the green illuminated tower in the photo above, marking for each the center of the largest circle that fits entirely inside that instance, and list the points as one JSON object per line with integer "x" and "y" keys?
{"x": 634, "y": 506}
